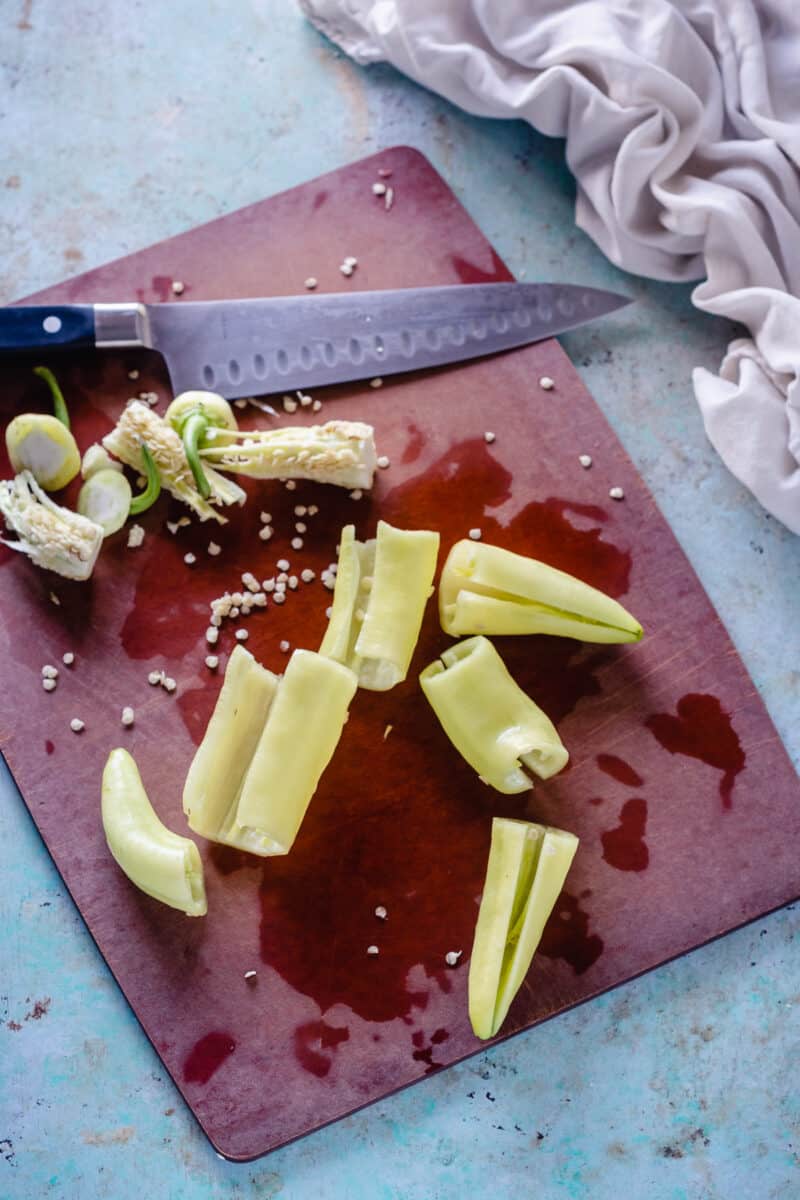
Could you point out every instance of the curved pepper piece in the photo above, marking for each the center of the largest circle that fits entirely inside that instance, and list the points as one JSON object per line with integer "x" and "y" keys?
{"x": 160, "y": 862}
{"x": 382, "y": 587}
{"x": 489, "y": 719}
{"x": 265, "y": 749}
{"x": 527, "y": 867}
{"x": 191, "y": 415}
{"x": 485, "y": 589}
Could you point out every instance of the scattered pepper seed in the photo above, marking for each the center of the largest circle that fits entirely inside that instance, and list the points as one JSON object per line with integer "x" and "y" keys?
{"x": 77, "y": 725}
{"x": 585, "y": 460}
{"x": 135, "y": 537}
{"x": 452, "y": 957}
{"x": 307, "y": 575}
{"x": 346, "y": 269}
{"x": 546, "y": 383}
{"x": 387, "y": 731}
{"x": 372, "y": 951}
{"x": 381, "y": 913}
{"x": 489, "y": 436}
{"x": 49, "y": 685}
{"x": 315, "y": 407}
{"x": 384, "y": 462}
{"x": 133, "y": 374}
{"x": 312, "y": 510}
{"x": 265, "y": 533}
{"x": 242, "y": 635}
{"x": 279, "y": 598}
{"x": 283, "y": 564}
{"x": 240, "y": 403}
{"x": 350, "y": 261}
{"x": 356, "y": 494}
{"x": 190, "y": 559}
{"x": 616, "y": 493}
{"x": 212, "y": 662}
{"x": 289, "y": 405}
{"x": 214, "y": 549}
{"x": 265, "y": 518}
{"x": 377, "y": 382}
{"x": 290, "y": 484}
{"x": 128, "y": 716}
{"x": 250, "y": 582}
{"x": 301, "y": 526}
{"x": 178, "y": 288}
{"x": 154, "y": 678}
{"x": 55, "y": 600}
{"x": 284, "y": 647}
{"x": 310, "y": 283}
{"x": 250, "y": 975}
{"x": 68, "y": 659}
{"x": 172, "y": 526}
{"x": 296, "y": 543}
{"x": 292, "y": 582}
{"x": 379, "y": 189}
{"x": 169, "y": 684}
{"x": 475, "y": 534}
{"x": 215, "y": 619}
{"x": 212, "y": 635}
{"x": 49, "y": 672}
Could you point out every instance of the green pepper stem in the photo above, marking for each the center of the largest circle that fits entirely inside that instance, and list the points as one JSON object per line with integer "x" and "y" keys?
{"x": 193, "y": 430}
{"x": 59, "y": 403}
{"x": 152, "y": 491}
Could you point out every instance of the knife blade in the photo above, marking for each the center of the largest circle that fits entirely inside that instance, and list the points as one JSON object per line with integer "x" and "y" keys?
{"x": 284, "y": 343}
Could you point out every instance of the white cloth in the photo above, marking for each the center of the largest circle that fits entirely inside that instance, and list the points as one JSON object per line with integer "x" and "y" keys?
{"x": 682, "y": 120}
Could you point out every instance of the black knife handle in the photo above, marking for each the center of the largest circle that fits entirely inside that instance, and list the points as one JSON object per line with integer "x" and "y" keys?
{"x": 46, "y": 327}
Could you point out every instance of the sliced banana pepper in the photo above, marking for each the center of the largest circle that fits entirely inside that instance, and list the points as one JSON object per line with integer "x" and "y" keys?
{"x": 382, "y": 587}
{"x": 265, "y": 749}
{"x": 527, "y": 867}
{"x": 161, "y": 863}
{"x": 489, "y": 719}
{"x": 485, "y": 589}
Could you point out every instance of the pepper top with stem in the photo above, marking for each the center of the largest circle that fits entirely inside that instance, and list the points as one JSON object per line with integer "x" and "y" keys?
{"x": 191, "y": 415}
{"x": 43, "y": 444}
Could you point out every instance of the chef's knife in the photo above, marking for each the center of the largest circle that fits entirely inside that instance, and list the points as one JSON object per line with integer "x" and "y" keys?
{"x": 247, "y": 347}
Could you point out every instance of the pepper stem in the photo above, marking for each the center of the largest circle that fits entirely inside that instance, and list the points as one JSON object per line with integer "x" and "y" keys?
{"x": 193, "y": 431}
{"x": 59, "y": 403}
{"x": 152, "y": 491}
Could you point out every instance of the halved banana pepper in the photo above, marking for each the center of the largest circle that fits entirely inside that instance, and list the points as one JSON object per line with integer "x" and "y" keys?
{"x": 266, "y": 746}
{"x": 485, "y": 589}
{"x": 161, "y": 863}
{"x": 382, "y": 587}
{"x": 492, "y": 723}
{"x": 527, "y": 867}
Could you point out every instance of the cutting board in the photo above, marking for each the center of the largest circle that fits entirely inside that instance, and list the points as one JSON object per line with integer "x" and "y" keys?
{"x": 684, "y": 800}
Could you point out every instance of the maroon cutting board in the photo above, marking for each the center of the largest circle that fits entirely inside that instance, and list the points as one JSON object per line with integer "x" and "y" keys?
{"x": 682, "y": 795}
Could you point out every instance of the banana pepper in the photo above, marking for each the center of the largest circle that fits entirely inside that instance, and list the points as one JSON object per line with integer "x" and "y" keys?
{"x": 265, "y": 749}
{"x": 485, "y": 589}
{"x": 382, "y": 587}
{"x": 489, "y": 719}
{"x": 161, "y": 863}
{"x": 526, "y": 871}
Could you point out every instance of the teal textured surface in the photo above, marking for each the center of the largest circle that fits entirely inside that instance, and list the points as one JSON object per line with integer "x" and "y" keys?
{"x": 675, "y": 1085}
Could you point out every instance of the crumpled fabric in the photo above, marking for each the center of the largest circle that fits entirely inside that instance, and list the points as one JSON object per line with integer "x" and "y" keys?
{"x": 682, "y": 123}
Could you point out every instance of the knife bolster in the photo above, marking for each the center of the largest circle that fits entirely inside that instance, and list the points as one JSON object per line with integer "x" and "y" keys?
{"x": 121, "y": 325}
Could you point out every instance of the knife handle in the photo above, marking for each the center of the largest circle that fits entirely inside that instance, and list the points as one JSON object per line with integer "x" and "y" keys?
{"x": 46, "y": 327}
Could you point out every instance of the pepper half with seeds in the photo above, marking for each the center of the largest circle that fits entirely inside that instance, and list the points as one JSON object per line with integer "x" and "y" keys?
{"x": 486, "y": 589}
{"x": 494, "y": 726}
{"x": 526, "y": 871}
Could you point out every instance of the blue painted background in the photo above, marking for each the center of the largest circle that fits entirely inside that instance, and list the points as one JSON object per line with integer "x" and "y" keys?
{"x": 119, "y": 125}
